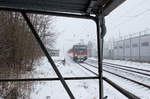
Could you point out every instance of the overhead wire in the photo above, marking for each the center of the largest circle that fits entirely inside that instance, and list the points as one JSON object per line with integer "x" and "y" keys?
{"x": 133, "y": 17}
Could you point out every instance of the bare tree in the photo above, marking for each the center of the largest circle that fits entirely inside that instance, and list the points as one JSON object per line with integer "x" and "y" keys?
{"x": 18, "y": 47}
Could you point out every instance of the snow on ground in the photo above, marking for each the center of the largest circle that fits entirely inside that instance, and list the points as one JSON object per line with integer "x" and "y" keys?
{"x": 43, "y": 69}
{"x": 111, "y": 92}
{"x": 139, "y": 65}
{"x": 55, "y": 90}
{"x": 137, "y": 90}
{"x": 140, "y": 91}
{"x": 134, "y": 76}
{"x": 82, "y": 89}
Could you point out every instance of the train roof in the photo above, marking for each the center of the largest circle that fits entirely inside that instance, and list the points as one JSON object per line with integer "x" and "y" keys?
{"x": 76, "y": 7}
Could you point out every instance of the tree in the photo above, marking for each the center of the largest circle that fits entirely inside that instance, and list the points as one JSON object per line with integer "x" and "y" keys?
{"x": 18, "y": 47}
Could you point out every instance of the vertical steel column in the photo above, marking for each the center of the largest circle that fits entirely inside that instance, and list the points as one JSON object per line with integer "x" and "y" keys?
{"x": 101, "y": 30}
{"x": 47, "y": 55}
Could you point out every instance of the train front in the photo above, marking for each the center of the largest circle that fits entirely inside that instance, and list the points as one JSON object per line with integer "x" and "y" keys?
{"x": 80, "y": 53}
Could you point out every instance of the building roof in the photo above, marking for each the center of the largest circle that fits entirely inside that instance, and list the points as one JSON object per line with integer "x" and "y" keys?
{"x": 84, "y": 7}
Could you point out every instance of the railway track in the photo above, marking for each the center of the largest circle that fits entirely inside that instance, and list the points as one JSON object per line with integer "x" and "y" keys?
{"x": 134, "y": 81}
{"x": 123, "y": 91}
{"x": 128, "y": 69}
{"x": 88, "y": 69}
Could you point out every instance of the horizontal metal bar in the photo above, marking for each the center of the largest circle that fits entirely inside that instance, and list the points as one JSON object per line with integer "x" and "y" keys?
{"x": 123, "y": 91}
{"x": 48, "y": 79}
{"x": 50, "y": 13}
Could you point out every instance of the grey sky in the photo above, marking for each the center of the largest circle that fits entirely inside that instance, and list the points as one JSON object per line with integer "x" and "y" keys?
{"x": 72, "y": 30}
{"x": 132, "y": 16}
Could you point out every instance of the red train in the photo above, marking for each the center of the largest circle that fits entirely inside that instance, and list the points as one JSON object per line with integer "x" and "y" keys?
{"x": 79, "y": 53}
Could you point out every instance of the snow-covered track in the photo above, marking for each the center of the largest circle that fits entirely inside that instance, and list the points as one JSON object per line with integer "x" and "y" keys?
{"x": 90, "y": 65}
{"x": 120, "y": 89}
{"x": 130, "y": 69}
{"x": 124, "y": 66}
{"x": 139, "y": 83}
{"x": 142, "y": 72}
{"x": 88, "y": 69}
{"x": 127, "y": 67}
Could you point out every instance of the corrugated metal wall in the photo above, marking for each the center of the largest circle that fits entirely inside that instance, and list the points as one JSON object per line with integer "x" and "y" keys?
{"x": 134, "y": 48}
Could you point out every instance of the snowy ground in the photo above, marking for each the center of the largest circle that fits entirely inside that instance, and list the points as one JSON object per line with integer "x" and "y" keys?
{"x": 143, "y": 93}
{"x": 82, "y": 89}
{"x": 145, "y": 66}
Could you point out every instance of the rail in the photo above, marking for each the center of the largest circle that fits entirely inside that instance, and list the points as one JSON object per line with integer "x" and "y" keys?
{"x": 120, "y": 89}
{"x": 139, "y": 83}
{"x": 123, "y": 91}
{"x": 127, "y": 67}
{"x": 106, "y": 65}
{"x": 120, "y": 67}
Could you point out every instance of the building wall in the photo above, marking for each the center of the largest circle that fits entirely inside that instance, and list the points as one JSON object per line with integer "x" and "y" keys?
{"x": 145, "y": 48}
{"x": 135, "y": 48}
{"x": 121, "y": 49}
{"x": 127, "y": 49}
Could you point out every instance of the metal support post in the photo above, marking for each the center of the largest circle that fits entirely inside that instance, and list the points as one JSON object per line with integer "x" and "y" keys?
{"x": 101, "y": 31}
{"x": 47, "y": 54}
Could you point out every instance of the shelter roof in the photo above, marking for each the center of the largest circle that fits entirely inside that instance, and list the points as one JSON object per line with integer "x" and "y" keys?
{"x": 83, "y": 7}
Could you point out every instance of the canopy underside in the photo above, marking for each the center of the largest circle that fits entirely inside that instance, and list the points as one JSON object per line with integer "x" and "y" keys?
{"x": 84, "y": 7}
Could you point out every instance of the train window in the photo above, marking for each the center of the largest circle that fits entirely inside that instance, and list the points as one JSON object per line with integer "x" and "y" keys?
{"x": 134, "y": 45}
{"x": 145, "y": 44}
{"x": 80, "y": 49}
{"x": 75, "y": 50}
{"x": 83, "y": 51}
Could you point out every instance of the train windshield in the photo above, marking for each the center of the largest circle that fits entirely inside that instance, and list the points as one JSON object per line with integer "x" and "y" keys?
{"x": 80, "y": 50}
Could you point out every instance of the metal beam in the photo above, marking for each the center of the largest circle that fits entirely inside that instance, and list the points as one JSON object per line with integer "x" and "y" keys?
{"x": 48, "y": 79}
{"x": 91, "y": 6}
{"x": 111, "y": 5}
{"x": 101, "y": 31}
{"x": 47, "y": 55}
{"x": 73, "y": 15}
{"x": 99, "y": 59}
{"x": 123, "y": 91}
